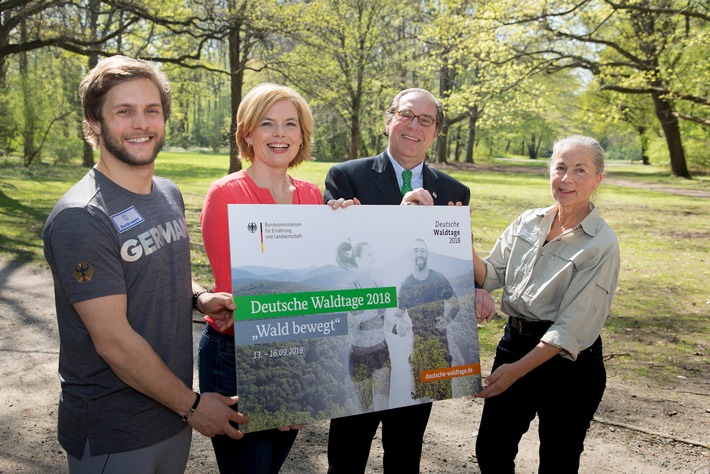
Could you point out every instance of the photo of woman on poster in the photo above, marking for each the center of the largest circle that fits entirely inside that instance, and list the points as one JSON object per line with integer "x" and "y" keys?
{"x": 368, "y": 357}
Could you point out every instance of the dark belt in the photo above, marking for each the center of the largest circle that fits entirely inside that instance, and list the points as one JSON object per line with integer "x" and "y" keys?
{"x": 526, "y": 327}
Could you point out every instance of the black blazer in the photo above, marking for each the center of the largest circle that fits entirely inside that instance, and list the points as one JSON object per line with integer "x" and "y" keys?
{"x": 372, "y": 180}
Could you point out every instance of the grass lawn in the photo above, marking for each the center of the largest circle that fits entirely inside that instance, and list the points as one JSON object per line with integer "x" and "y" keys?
{"x": 661, "y": 313}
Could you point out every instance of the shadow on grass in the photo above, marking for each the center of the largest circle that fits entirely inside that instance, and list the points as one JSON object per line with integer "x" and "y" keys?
{"x": 661, "y": 335}
{"x": 20, "y": 247}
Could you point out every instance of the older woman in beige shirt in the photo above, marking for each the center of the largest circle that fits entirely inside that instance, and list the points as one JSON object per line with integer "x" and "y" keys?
{"x": 558, "y": 267}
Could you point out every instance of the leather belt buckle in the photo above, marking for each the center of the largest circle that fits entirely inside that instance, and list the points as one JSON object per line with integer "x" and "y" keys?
{"x": 515, "y": 323}
{"x": 524, "y": 328}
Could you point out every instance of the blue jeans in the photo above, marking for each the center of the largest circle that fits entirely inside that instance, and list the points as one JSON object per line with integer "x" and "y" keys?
{"x": 258, "y": 452}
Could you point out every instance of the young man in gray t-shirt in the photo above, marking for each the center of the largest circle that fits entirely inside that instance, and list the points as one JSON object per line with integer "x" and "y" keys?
{"x": 119, "y": 250}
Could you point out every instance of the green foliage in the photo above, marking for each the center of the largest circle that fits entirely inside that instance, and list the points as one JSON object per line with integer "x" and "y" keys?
{"x": 42, "y": 115}
{"x": 202, "y": 109}
{"x": 696, "y": 141}
{"x": 428, "y": 355}
{"x": 316, "y": 383}
{"x": 64, "y": 149}
{"x": 508, "y": 72}
{"x": 362, "y": 378}
{"x": 353, "y": 43}
{"x": 9, "y": 128}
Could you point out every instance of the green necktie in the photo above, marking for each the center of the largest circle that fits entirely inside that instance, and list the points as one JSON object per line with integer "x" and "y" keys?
{"x": 406, "y": 181}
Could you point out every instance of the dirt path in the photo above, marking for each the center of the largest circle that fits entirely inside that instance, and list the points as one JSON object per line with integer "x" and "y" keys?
{"x": 699, "y": 193}
{"x": 30, "y": 389}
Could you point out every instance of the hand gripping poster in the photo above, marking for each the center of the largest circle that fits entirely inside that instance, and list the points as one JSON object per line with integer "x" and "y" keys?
{"x": 350, "y": 311}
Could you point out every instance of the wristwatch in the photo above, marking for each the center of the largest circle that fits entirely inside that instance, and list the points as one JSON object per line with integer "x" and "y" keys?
{"x": 195, "y": 297}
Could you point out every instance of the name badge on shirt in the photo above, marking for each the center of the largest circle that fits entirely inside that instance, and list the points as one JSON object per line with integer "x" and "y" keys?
{"x": 127, "y": 219}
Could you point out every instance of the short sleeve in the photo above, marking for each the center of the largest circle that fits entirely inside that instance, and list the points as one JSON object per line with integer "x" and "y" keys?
{"x": 84, "y": 254}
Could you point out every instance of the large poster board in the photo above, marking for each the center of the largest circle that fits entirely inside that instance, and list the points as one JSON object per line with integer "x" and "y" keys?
{"x": 350, "y": 311}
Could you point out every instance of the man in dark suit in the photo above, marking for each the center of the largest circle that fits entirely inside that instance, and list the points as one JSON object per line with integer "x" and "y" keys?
{"x": 399, "y": 175}
{"x": 378, "y": 179}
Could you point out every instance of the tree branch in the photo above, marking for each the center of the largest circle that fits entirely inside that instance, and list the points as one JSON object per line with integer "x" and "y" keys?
{"x": 687, "y": 12}
{"x": 692, "y": 118}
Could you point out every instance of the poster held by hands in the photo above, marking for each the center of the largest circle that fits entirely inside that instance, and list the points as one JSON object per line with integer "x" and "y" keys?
{"x": 350, "y": 311}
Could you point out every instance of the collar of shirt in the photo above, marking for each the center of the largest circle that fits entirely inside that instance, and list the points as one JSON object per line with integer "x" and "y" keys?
{"x": 589, "y": 224}
{"x": 417, "y": 172}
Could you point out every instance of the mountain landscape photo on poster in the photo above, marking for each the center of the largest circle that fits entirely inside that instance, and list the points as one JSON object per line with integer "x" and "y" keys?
{"x": 348, "y": 311}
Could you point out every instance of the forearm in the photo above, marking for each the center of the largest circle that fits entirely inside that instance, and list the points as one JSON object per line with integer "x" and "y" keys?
{"x": 535, "y": 358}
{"x": 479, "y": 269}
{"x": 196, "y": 287}
{"x": 129, "y": 355}
{"x": 507, "y": 374}
{"x": 198, "y": 290}
{"x": 136, "y": 363}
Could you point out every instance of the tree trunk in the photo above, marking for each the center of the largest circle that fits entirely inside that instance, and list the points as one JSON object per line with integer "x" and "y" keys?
{"x": 446, "y": 85}
{"x": 87, "y": 159}
{"x": 29, "y": 109}
{"x": 671, "y": 129}
{"x": 354, "y": 148}
{"x": 236, "y": 74}
{"x": 471, "y": 142}
{"x": 644, "y": 24}
{"x": 442, "y": 146}
{"x": 457, "y": 147}
{"x": 534, "y": 147}
{"x": 4, "y": 41}
{"x": 643, "y": 144}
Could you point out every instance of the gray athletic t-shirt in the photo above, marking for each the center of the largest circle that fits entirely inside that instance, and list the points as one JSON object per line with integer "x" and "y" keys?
{"x": 101, "y": 240}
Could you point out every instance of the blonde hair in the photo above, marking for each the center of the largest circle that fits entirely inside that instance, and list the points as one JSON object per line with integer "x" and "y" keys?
{"x": 254, "y": 106}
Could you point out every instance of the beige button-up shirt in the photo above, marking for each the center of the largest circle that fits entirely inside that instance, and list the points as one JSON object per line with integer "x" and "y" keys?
{"x": 571, "y": 280}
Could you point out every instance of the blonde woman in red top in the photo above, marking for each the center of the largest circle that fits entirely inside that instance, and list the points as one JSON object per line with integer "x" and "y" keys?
{"x": 274, "y": 130}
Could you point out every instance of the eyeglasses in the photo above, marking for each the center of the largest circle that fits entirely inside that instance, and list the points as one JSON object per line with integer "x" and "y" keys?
{"x": 408, "y": 116}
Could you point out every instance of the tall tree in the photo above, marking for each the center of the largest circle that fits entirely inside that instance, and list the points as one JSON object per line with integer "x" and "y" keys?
{"x": 632, "y": 47}
{"x": 246, "y": 28}
{"x": 92, "y": 60}
{"x": 54, "y": 24}
{"x": 344, "y": 57}
{"x": 30, "y": 110}
{"x": 70, "y": 25}
{"x": 621, "y": 112}
{"x": 476, "y": 67}
{"x": 249, "y": 24}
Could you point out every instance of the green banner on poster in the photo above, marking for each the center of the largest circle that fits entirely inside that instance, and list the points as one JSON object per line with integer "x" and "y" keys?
{"x": 313, "y": 302}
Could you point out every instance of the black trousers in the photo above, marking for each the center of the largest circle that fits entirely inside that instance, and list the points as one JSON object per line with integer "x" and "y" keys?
{"x": 563, "y": 393}
{"x": 403, "y": 429}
